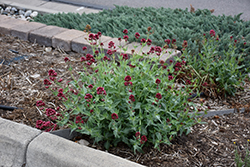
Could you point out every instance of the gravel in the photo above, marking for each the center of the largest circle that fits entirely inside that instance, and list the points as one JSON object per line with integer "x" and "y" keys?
{"x": 14, "y": 12}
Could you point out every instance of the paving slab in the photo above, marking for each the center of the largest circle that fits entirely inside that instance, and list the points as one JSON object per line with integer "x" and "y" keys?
{"x": 166, "y": 57}
{"x": 78, "y": 43}
{"x": 22, "y": 31}
{"x": 14, "y": 139}
{"x": 50, "y": 150}
{"x": 63, "y": 40}
{"x": 44, "y": 35}
{"x": 7, "y": 24}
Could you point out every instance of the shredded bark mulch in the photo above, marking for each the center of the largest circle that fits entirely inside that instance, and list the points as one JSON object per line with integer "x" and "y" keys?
{"x": 24, "y": 66}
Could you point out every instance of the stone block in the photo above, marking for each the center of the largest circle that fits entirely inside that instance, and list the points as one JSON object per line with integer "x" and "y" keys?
{"x": 63, "y": 40}
{"x": 7, "y": 24}
{"x": 22, "y": 31}
{"x": 44, "y": 35}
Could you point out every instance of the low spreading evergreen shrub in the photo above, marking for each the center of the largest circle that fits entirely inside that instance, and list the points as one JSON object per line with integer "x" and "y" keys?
{"x": 166, "y": 23}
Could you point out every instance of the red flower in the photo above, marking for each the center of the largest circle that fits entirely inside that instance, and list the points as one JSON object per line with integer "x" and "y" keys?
{"x": 167, "y": 41}
{"x": 125, "y": 56}
{"x": 188, "y": 82}
{"x": 173, "y": 40}
{"x": 83, "y": 59}
{"x": 171, "y": 61}
{"x": 125, "y": 37}
{"x": 137, "y": 134}
{"x": 40, "y": 103}
{"x": 96, "y": 52}
{"x": 111, "y": 44}
{"x": 114, "y": 116}
{"x": 212, "y": 33}
{"x": 91, "y": 111}
{"x": 127, "y": 78}
{"x": 96, "y": 71}
{"x": 244, "y": 43}
{"x": 119, "y": 39}
{"x": 168, "y": 120}
{"x": 50, "y": 112}
{"x": 60, "y": 80}
{"x": 170, "y": 77}
{"x": 88, "y": 96}
{"x": 143, "y": 139}
{"x": 158, "y": 96}
{"x": 84, "y": 48}
{"x": 158, "y": 49}
{"x": 89, "y": 56}
{"x": 126, "y": 83}
{"x": 106, "y": 58}
{"x": 132, "y": 98}
{"x": 125, "y": 31}
{"x": 47, "y": 82}
{"x": 231, "y": 37}
{"x": 90, "y": 86}
{"x": 66, "y": 59}
{"x": 100, "y": 90}
{"x": 143, "y": 40}
{"x": 109, "y": 52}
{"x": 164, "y": 67}
{"x": 204, "y": 84}
{"x": 158, "y": 81}
{"x": 235, "y": 41}
{"x": 137, "y": 35}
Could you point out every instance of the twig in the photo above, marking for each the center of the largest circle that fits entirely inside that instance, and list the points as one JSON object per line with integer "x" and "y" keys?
{"x": 39, "y": 110}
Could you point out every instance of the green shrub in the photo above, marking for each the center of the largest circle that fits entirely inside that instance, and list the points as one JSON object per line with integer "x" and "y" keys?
{"x": 134, "y": 102}
{"x": 167, "y": 24}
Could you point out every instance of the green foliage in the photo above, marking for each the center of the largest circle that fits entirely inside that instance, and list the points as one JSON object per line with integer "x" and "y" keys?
{"x": 209, "y": 67}
{"x": 167, "y": 24}
{"x": 238, "y": 158}
{"x": 138, "y": 111}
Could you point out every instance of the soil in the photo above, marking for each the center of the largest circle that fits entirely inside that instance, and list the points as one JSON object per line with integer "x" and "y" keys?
{"x": 25, "y": 65}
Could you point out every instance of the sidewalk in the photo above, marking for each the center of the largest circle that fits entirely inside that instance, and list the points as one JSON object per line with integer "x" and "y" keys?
{"x": 43, "y": 6}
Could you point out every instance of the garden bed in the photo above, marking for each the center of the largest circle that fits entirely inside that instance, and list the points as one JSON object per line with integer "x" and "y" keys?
{"x": 22, "y": 86}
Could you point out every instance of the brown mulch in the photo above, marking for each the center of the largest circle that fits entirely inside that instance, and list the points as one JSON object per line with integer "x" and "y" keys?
{"x": 210, "y": 144}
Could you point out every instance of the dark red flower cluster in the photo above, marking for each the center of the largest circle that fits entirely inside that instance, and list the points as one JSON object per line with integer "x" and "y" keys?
{"x": 79, "y": 120}
{"x": 48, "y": 125}
{"x": 137, "y": 135}
{"x": 66, "y": 59}
{"x": 143, "y": 139}
{"x": 137, "y": 35}
{"x": 101, "y": 91}
{"x": 90, "y": 86}
{"x": 94, "y": 36}
{"x": 125, "y": 37}
{"x": 127, "y": 78}
{"x": 50, "y": 111}
{"x": 47, "y": 82}
{"x": 157, "y": 81}
{"x": 167, "y": 41}
{"x": 60, "y": 94}
{"x": 125, "y": 31}
{"x": 170, "y": 77}
{"x": 132, "y": 98}
{"x": 114, "y": 116}
{"x": 40, "y": 103}
{"x": 158, "y": 96}
{"x": 111, "y": 44}
{"x": 212, "y": 33}
{"x": 106, "y": 58}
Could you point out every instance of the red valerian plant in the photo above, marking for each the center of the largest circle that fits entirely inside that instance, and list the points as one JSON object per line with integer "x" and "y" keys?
{"x": 133, "y": 102}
